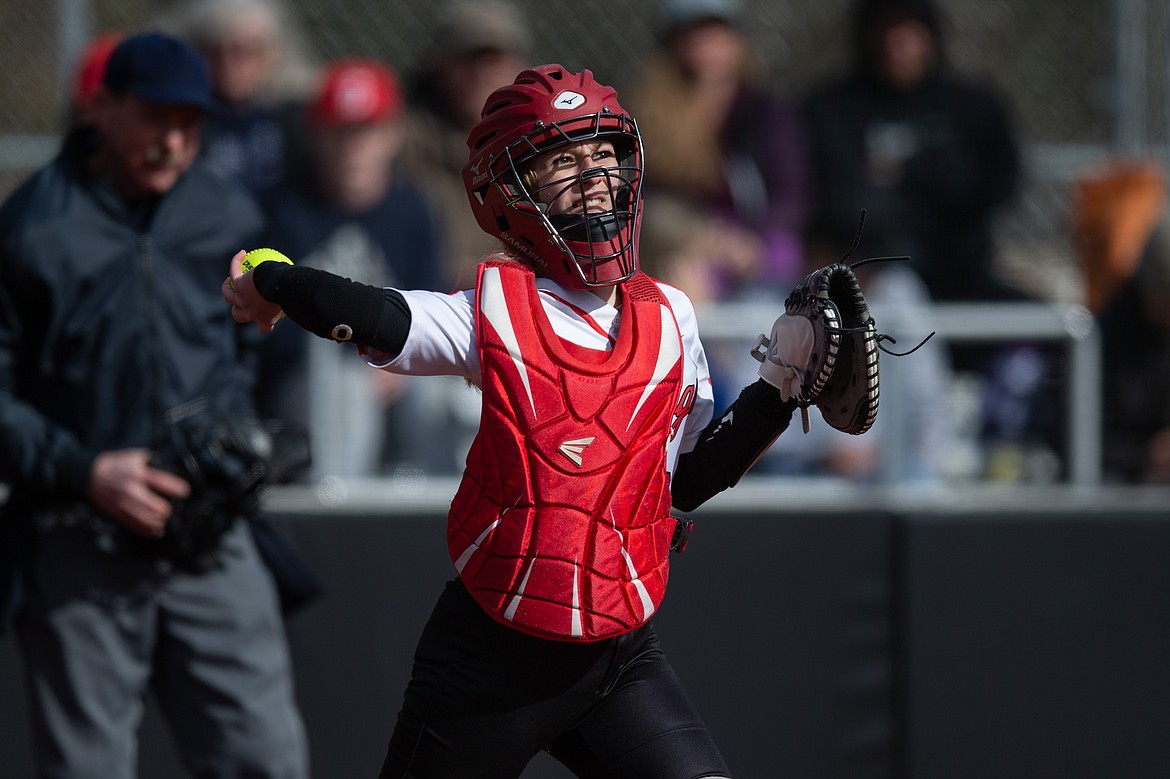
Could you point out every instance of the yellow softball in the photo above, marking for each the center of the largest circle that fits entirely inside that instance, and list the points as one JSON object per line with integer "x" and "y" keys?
{"x": 257, "y": 256}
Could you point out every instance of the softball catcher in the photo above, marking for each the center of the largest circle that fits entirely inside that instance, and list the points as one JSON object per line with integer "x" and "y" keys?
{"x": 597, "y": 421}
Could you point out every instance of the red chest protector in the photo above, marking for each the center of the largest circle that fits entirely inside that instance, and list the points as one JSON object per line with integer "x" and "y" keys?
{"x": 561, "y": 526}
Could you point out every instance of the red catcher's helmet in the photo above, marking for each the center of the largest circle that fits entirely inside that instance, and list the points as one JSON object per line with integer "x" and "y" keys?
{"x": 549, "y": 107}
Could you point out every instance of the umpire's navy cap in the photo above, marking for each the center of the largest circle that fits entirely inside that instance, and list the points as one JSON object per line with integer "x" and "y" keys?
{"x": 160, "y": 69}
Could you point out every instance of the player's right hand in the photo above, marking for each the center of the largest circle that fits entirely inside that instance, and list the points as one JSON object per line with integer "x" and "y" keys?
{"x": 123, "y": 486}
{"x": 246, "y": 302}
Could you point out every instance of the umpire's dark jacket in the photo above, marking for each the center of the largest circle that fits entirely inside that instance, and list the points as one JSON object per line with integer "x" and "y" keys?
{"x": 111, "y": 314}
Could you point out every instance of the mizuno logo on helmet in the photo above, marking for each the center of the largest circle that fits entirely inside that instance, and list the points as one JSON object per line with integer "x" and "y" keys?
{"x": 573, "y": 449}
{"x": 568, "y": 100}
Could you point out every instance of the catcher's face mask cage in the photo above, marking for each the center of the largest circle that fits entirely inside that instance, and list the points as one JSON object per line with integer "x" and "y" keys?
{"x": 599, "y": 246}
{"x": 579, "y": 247}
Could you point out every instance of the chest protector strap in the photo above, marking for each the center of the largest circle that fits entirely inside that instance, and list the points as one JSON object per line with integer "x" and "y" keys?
{"x": 561, "y": 526}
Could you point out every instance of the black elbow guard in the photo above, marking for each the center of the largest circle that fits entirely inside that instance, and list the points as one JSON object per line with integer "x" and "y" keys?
{"x": 333, "y": 307}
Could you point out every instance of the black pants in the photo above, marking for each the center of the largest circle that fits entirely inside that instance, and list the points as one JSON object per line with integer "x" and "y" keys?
{"x": 483, "y": 699}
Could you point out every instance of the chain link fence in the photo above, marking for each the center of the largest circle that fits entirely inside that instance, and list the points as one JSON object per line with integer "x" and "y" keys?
{"x": 1084, "y": 79}
{"x": 1054, "y": 60}
{"x": 1076, "y": 94}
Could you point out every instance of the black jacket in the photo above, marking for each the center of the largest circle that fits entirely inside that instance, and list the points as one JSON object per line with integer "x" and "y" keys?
{"x": 958, "y": 165}
{"x": 110, "y": 315}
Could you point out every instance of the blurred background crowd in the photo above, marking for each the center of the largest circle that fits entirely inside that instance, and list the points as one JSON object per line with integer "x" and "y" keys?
{"x": 1014, "y": 150}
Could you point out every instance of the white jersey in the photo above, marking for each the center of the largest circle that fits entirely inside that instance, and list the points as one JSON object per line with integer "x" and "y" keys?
{"x": 442, "y": 343}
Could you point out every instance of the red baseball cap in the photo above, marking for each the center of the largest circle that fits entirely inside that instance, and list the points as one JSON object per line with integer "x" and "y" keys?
{"x": 357, "y": 91}
{"x": 91, "y": 68}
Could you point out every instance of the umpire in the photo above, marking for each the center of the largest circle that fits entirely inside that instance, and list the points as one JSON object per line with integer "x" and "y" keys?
{"x": 110, "y": 314}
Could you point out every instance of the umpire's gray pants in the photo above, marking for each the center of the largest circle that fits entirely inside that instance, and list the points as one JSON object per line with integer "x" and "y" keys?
{"x": 103, "y": 627}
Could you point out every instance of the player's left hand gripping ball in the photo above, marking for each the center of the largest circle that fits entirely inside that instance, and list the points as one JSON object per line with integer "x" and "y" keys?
{"x": 257, "y": 256}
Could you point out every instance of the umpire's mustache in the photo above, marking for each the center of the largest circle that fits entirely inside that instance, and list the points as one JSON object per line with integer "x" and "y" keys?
{"x": 163, "y": 157}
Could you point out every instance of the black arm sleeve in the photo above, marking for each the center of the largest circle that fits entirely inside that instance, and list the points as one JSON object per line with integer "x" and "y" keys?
{"x": 320, "y": 301}
{"x": 730, "y": 445}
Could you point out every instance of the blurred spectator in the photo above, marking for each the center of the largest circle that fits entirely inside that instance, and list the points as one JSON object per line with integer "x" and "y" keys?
{"x": 688, "y": 247}
{"x": 261, "y": 76}
{"x": 87, "y": 76}
{"x": 1116, "y": 207}
{"x": 134, "y": 580}
{"x": 931, "y": 157}
{"x": 1136, "y": 337}
{"x": 729, "y": 153}
{"x": 354, "y": 215}
{"x": 1123, "y": 237}
{"x": 479, "y": 45}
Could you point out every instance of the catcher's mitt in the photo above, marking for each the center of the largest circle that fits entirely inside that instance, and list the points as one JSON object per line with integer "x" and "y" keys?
{"x": 841, "y": 375}
{"x": 832, "y": 361}
{"x": 228, "y": 461}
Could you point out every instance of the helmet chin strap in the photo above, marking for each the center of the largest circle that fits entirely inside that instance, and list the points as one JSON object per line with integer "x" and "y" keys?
{"x": 589, "y": 228}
